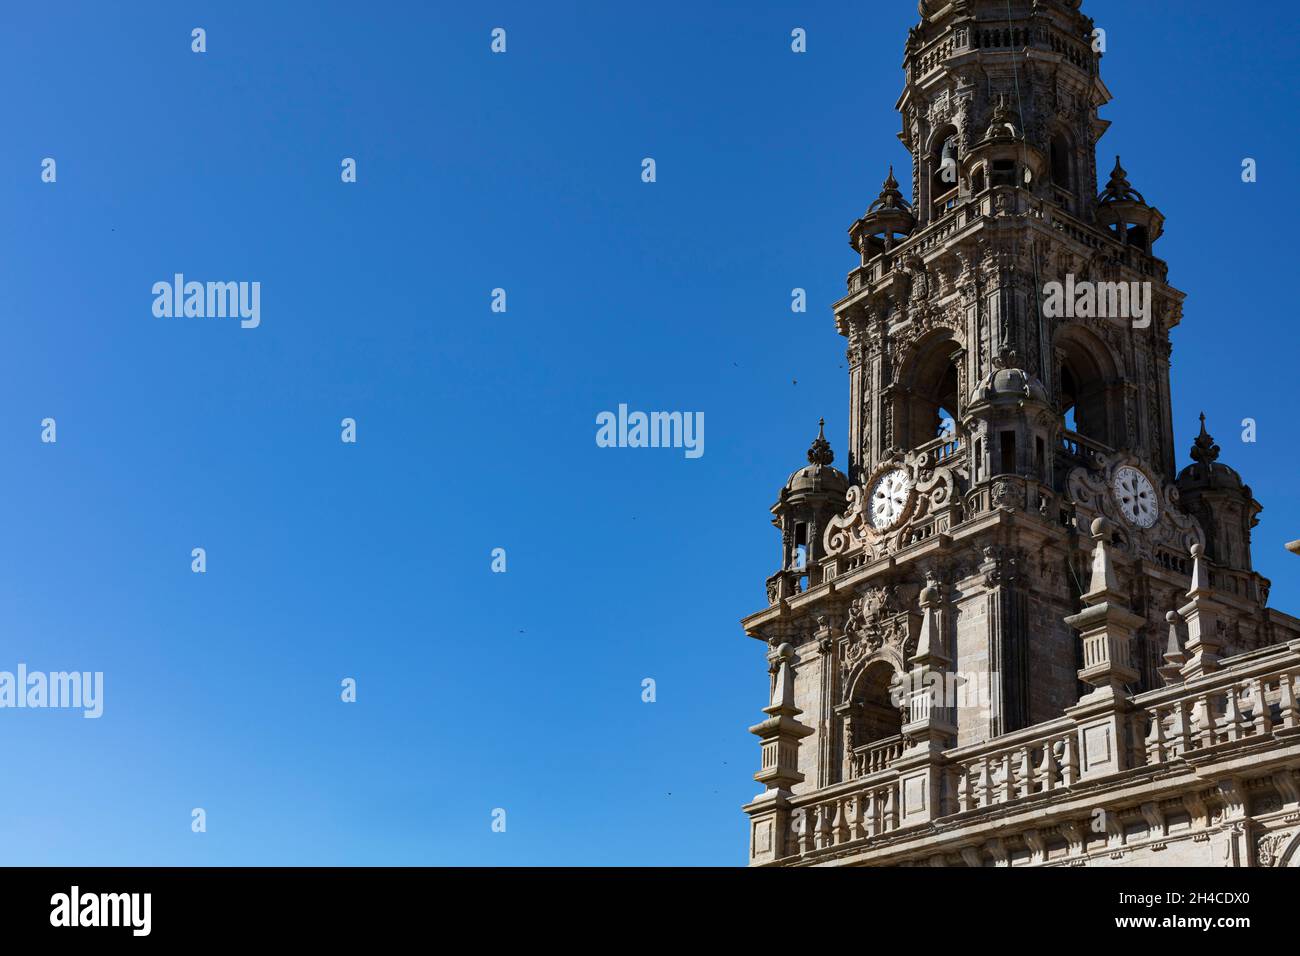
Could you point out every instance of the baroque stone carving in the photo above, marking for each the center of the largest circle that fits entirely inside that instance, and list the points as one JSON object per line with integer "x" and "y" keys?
{"x": 1269, "y": 849}
{"x": 934, "y": 496}
{"x": 878, "y": 620}
{"x": 1172, "y": 531}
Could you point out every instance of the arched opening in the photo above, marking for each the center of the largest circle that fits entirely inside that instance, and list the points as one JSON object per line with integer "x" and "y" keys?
{"x": 930, "y": 400}
{"x": 875, "y": 719}
{"x": 1087, "y": 389}
{"x": 877, "y": 715}
{"x": 978, "y": 182}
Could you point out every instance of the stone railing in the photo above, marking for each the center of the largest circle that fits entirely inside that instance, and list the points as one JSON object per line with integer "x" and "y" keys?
{"x": 857, "y": 816}
{"x": 957, "y": 214}
{"x": 1102, "y": 240}
{"x": 941, "y": 450}
{"x": 1221, "y": 709}
{"x": 1254, "y": 697}
{"x": 1014, "y": 766}
{"x": 1084, "y": 449}
{"x": 876, "y": 756}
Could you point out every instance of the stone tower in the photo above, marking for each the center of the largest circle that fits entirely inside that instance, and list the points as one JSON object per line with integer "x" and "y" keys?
{"x": 1012, "y": 592}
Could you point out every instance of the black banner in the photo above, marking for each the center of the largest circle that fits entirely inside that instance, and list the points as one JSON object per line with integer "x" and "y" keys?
{"x": 92, "y": 906}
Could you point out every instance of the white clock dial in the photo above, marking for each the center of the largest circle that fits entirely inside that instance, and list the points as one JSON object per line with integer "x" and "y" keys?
{"x": 1136, "y": 496}
{"x": 889, "y": 497}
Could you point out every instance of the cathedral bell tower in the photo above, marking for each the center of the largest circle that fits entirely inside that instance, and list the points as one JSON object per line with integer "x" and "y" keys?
{"x": 1009, "y": 349}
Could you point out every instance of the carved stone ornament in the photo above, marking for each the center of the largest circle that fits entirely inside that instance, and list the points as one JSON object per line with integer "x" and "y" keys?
{"x": 900, "y": 494}
{"x": 879, "y": 624}
{"x": 1152, "y": 524}
{"x": 1270, "y": 848}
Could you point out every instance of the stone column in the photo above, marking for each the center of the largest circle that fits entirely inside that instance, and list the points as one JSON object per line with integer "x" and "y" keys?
{"x": 1007, "y": 633}
{"x": 829, "y": 748}
{"x": 769, "y": 812}
{"x": 929, "y": 730}
{"x": 1106, "y": 628}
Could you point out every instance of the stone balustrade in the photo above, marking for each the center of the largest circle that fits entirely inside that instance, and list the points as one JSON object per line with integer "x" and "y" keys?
{"x": 941, "y": 450}
{"x": 1253, "y": 697}
{"x": 858, "y": 816}
{"x": 876, "y": 756}
{"x": 1010, "y": 768}
{"x": 1084, "y": 449}
{"x": 1219, "y": 709}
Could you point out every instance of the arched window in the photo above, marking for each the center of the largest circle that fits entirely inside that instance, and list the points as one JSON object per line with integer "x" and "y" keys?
{"x": 877, "y": 706}
{"x": 930, "y": 398}
{"x": 1088, "y": 391}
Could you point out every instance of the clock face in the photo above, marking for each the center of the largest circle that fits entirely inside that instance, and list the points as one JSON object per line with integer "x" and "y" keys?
{"x": 889, "y": 496}
{"x": 1136, "y": 496}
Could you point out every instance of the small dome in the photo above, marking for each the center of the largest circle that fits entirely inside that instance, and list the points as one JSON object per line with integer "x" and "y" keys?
{"x": 1206, "y": 472}
{"x": 1009, "y": 384}
{"x": 818, "y": 477}
{"x": 888, "y": 216}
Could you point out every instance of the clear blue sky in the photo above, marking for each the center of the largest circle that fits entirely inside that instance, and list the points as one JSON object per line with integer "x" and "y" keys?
{"x": 476, "y": 430}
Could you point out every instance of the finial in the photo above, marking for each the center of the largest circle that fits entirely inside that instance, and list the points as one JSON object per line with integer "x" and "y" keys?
{"x": 1104, "y": 582}
{"x": 1204, "y": 449}
{"x": 1174, "y": 659}
{"x": 1119, "y": 189}
{"x": 930, "y": 593}
{"x": 783, "y": 689}
{"x": 890, "y": 197}
{"x": 929, "y": 641}
{"x": 1202, "y": 613}
{"x": 1200, "y": 573}
{"x": 1173, "y": 648}
{"x": 819, "y": 453}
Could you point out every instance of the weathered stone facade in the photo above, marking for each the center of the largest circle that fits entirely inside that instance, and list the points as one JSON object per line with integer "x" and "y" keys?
{"x": 1012, "y": 633}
